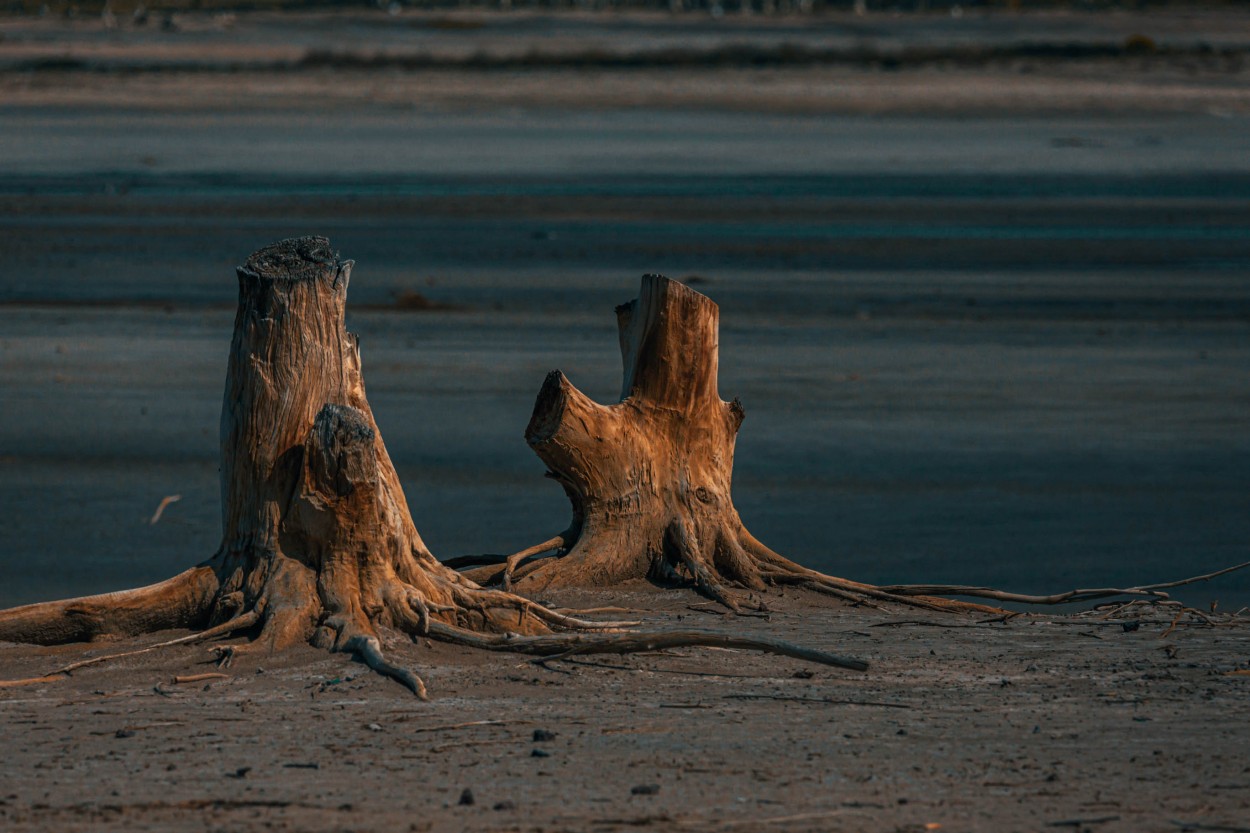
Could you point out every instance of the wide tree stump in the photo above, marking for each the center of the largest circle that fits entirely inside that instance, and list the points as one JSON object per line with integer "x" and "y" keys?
{"x": 317, "y": 541}
{"x": 649, "y": 481}
{"x": 649, "y": 477}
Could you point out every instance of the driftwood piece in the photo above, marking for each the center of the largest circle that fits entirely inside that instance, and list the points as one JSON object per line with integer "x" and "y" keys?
{"x": 649, "y": 480}
{"x": 317, "y": 541}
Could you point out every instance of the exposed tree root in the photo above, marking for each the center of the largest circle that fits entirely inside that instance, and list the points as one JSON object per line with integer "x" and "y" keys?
{"x": 239, "y": 623}
{"x": 1155, "y": 591}
{"x": 771, "y": 569}
{"x": 180, "y": 602}
{"x": 318, "y": 545}
{"x": 370, "y": 652}
{"x": 553, "y": 646}
{"x": 552, "y": 546}
{"x": 776, "y": 570}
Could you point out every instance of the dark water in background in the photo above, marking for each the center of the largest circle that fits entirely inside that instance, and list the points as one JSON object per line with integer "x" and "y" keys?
{"x": 970, "y": 350}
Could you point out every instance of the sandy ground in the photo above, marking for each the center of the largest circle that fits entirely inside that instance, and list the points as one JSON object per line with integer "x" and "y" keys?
{"x": 989, "y": 324}
{"x": 1079, "y": 723}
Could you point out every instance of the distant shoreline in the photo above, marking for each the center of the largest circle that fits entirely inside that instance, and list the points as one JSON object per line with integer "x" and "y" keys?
{"x": 1145, "y": 54}
{"x": 779, "y": 8}
{"x": 991, "y": 63}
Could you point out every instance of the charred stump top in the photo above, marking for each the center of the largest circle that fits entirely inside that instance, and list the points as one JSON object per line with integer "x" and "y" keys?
{"x": 295, "y": 259}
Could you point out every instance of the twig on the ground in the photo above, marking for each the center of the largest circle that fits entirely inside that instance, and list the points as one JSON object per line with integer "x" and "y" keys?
{"x": 447, "y": 727}
{"x": 199, "y": 678}
{"x": 47, "y": 678}
{"x": 141, "y": 727}
{"x": 445, "y": 746}
{"x": 825, "y": 700}
{"x": 1213, "y": 828}
{"x": 241, "y": 622}
{"x": 1176, "y": 621}
{"x": 721, "y": 823}
{"x": 921, "y": 623}
{"x": 1001, "y": 620}
{"x": 1152, "y": 590}
{"x": 1082, "y": 822}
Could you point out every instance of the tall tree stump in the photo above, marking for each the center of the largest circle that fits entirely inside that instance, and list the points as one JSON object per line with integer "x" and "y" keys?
{"x": 317, "y": 541}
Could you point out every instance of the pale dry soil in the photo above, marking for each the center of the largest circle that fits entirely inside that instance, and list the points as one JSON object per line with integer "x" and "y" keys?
{"x": 1073, "y": 723}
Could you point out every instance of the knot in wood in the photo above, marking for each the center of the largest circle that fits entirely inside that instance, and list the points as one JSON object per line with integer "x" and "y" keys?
{"x": 340, "y": 451}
